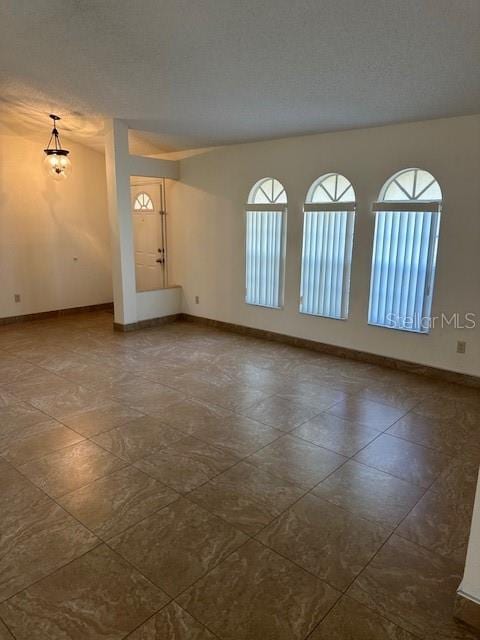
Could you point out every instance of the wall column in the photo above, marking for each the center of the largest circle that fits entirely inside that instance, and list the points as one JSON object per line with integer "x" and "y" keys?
{"x": 121, "y": 227}
{"x": 468, "y": 602}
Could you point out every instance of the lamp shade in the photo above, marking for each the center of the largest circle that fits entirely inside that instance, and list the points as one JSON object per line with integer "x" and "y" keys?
{"x": 57, "y": 164}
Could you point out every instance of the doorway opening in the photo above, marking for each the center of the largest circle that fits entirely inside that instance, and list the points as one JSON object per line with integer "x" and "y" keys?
{"x": 149, "y": 221}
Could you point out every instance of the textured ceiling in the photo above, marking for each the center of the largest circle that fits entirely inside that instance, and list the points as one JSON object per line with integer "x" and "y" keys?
{"x": 206, "y": 72}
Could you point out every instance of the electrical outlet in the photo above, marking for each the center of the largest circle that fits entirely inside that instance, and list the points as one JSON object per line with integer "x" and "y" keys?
{"x": 197, "y": 299}
{"x": 461, "y": 346}
{"x": 16, "y": 297}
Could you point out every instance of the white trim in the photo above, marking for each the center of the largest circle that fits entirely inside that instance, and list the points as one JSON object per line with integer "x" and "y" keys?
{"x": 467, "y": 596}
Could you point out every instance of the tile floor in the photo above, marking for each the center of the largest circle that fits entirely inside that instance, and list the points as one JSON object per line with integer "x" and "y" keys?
{"x": 183, "y": 483}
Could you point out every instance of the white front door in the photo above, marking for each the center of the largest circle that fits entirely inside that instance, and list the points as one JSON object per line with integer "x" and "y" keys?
{"x": 149, "y": 255}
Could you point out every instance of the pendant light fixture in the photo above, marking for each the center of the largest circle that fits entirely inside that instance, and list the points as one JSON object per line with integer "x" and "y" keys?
{"x": 56, "y": 163}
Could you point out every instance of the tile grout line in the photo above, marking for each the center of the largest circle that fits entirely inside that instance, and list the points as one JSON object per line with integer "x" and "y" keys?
{"x": 7, "y": 626}
{"x": 254, "y": 538}
{"x": 290, "y": 432}
{"x": 172, "y": 601}
{"x": 384, "y": 544}
{"x": 101, "y": 542}
{"x": 104, "y": 542}
{"x": 246, "y": 458}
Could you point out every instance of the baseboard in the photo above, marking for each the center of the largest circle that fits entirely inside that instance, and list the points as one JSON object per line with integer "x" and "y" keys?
{"x": 467, "y": 611}
{"x": 144, "y": 324}
{"x": 341, "y": 352}
{"x": 56, "y": 313}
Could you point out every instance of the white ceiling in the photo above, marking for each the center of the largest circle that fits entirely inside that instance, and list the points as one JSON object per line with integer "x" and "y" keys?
{"x": 206, "y": 72}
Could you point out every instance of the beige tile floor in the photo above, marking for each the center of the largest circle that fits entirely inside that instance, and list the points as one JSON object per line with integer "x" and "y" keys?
{"x": 183, "y": 483}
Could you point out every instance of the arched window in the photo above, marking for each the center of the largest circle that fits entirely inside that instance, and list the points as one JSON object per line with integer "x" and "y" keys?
{"x": 407, "y": 222}
{"x": 265, "y": 243}
{"x": 411, "y": 185}
{"x": 332, "y": 187}
{"x": 267, "y": 191}
{"x": 143, "y": 202}
{"x": 328, "y": 222}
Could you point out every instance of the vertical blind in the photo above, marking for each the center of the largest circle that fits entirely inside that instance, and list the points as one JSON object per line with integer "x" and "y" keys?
{"x": 403, "y": 268}
{"x": 264, "y": 257}
{"x": 326, "y": 262}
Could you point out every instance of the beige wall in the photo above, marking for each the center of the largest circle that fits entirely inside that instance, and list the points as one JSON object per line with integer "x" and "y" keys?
{"x": 45, "y": 225}
{"x": 207, "y": 231}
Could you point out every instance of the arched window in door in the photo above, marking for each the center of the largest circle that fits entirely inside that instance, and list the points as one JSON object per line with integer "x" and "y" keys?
{"x": 143, "y": 202}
